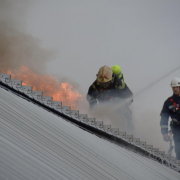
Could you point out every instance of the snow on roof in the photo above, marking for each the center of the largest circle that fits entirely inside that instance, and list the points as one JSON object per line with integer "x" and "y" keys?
{"x": 36, "y": 144}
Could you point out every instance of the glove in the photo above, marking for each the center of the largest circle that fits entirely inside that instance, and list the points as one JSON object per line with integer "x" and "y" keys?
{"x": 166, "y": 137}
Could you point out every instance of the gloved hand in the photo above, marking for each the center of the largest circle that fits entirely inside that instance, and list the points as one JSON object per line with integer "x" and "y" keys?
{"x": 166, "y": 137}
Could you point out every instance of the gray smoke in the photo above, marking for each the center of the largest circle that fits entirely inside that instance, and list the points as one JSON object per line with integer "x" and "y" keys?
{"x": 18, "y": 48}
{"x": 22, "y": 55}
{"x": 115, "y": 113}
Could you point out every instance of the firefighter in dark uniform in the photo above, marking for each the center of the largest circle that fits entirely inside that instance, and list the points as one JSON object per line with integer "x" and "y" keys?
{"x": 171, "y": 109}
{"x": 110, "y": 86}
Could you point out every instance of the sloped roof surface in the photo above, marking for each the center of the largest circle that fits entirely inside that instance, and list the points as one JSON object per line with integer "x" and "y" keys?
{"x": 36, "y": 144}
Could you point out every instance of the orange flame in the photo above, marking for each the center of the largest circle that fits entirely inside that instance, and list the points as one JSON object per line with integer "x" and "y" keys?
{"x": 49, "y": 85}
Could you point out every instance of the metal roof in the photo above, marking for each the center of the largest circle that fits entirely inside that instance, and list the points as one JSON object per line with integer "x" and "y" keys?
{"x": 38, "y": 144}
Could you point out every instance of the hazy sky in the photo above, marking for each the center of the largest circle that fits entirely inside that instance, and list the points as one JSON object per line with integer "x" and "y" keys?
{"x": 141, "y": 36}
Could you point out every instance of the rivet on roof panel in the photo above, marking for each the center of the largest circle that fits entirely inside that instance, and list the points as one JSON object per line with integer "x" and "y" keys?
{"x": 99, "y": 124}
{"x": 143, "y": 144}
{"x": 16, "y": 84}
{"x": 149, "y": 147}
{"x": 83, "y": 117}
{"x": 5, "y": 78}
{"x": 161, "y": 153}
{"x": 74, "y": 113}
{"x": 66, "y": 109}
{"x": 155, "y": 151}
{"x": 115, "y": 131}
{"x": 107, "y": 128}
{"x": 47, "y": 100}
{"x": 91, "y": 121}
{"x": 37, "y": 95}
{"x": 56, "y": 105}
{"x": 129, "y": 138}
{"x": 26, "y": 89}
{"x": 122, "y": 134}
{"x": 136, "y": 141}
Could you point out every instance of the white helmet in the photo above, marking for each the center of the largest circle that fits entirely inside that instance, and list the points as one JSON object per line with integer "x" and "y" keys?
{"x": 175, "y": 82}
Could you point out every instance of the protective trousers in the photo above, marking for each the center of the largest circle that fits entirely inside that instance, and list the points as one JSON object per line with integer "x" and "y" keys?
{"x": 176, "y": 137}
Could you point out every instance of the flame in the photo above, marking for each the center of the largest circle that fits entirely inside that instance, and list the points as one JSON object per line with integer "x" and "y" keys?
{"x": 49, "y": 85}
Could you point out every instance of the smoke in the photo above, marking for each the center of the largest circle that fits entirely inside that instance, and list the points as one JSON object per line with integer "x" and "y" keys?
{"x": 23, "y": 57}
{"x": 17, "y": 48}
{"x": 115, "y": 113}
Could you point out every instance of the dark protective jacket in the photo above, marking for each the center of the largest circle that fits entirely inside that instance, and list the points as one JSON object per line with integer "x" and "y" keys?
{"x": 118, "y": 89}
{"x": 170, "y": 109}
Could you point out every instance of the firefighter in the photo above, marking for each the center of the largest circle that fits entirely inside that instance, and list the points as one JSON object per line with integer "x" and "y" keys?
{"x": 171, "y": 109}
{"x": 110, "y": 87}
